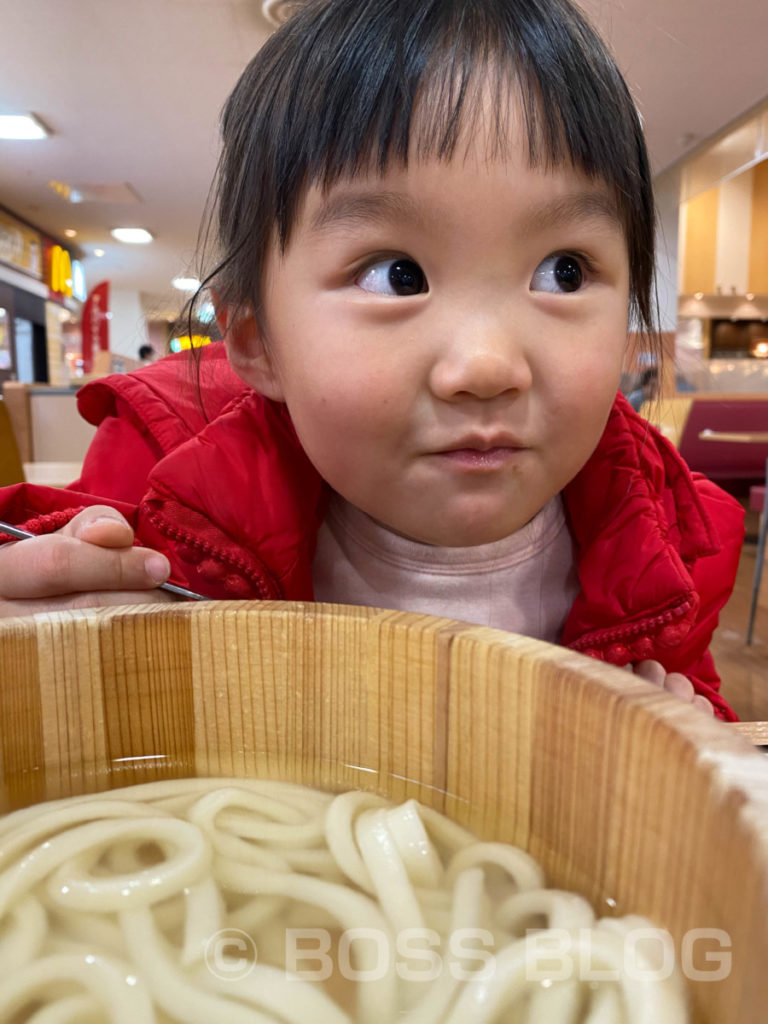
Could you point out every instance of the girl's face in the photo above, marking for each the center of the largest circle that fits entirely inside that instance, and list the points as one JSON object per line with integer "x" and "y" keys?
{"x": 448, "y": 339}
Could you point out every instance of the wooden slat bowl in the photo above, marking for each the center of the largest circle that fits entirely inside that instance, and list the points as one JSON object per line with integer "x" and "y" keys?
{"x": 623, "y": 793}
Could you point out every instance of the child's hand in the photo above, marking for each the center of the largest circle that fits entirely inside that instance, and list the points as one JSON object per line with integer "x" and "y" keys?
{"x": 673, "y": 682}
{"x": 90, "y": 561}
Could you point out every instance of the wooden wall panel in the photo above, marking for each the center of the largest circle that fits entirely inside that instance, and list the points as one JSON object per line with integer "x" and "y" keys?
{"x": 758, "y": 249}
{"x": 701, "y": 243}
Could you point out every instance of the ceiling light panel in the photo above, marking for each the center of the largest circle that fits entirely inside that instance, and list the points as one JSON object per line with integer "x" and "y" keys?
{"x": 133, "y": 236}
{"x": 22, "y": 126}
{"x": 186, "y": 284}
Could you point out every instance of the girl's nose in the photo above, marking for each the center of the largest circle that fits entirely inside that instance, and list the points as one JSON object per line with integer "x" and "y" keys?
{"x": 481, "y": 360}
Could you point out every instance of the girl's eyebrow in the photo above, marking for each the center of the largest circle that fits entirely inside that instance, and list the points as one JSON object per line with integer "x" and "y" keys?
{"x": 364, "y": 208}
{"x": 384, "y": 207}
{"x": 571, "y": 208}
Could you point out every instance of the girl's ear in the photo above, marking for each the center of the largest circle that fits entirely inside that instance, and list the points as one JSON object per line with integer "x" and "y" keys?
{"x": 249, "y": 355}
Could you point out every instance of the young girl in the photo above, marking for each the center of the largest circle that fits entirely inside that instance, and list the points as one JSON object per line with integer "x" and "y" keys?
{"x": 436, "y": 224}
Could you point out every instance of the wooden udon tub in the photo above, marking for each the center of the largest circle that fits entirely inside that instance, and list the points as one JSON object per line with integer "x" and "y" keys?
{"x": 623, "y": 793}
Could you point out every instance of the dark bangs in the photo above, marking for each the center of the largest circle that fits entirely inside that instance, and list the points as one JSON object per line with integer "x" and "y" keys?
{"x": 350, "y": 86}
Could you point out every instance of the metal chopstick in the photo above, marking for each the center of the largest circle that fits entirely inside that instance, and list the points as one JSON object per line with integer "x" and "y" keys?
{"x": 172, "y": 588}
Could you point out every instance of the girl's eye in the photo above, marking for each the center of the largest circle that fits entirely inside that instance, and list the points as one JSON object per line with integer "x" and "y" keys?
{"x": 393, "y": 277}
{"x": 558, "y": 274}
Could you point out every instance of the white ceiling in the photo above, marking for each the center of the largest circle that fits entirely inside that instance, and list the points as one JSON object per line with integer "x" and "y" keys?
{"x": 132, "y": 92}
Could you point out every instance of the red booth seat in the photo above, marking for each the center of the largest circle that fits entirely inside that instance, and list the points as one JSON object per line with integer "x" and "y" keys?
{"x": 726, "y": 460}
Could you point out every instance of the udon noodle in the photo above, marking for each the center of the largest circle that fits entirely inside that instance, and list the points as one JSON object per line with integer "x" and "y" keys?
{"x": 255, "y": 902}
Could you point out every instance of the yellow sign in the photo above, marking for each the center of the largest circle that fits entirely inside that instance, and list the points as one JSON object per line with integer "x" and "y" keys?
{"x": 21, "y": 246}
{"x": 60, "y": 271}
{"x": 196, "y": 341}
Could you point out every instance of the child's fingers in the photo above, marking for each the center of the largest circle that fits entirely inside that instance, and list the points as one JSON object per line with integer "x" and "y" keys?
{"x": 105, "y": 527}
{"x": 101, "y": 525}
{"x": 680, "y": 686}
{"x": 652, "y": 671}
{"x": 703, "y": 704}
{"x": 674, "y": 682}
{"x": 59, "y": 564}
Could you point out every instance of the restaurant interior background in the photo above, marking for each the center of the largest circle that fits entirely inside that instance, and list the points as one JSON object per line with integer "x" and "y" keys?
{"x": 129, "y": 96}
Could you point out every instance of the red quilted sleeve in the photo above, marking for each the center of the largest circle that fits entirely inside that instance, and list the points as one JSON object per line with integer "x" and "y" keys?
{"x": 118, "y": 462}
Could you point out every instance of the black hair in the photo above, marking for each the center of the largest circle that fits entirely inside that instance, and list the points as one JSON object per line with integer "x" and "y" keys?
{"x": 354, "y": 85}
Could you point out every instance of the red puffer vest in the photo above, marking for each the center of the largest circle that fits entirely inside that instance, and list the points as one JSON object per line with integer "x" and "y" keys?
{"x": 232, "y": 500}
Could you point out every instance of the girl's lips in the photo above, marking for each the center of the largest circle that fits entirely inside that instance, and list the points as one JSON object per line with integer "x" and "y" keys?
{"x": 475, "y": 458}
